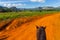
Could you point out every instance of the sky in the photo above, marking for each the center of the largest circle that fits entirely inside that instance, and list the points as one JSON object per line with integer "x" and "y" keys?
{"x": 29, "y": 3}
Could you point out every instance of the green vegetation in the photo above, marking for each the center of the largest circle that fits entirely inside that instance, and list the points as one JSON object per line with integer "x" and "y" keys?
{"x": 10, "y": 15}
{"x": 13, "y": 12}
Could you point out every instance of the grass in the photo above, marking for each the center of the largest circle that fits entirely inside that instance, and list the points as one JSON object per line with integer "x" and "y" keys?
{"x": 10, "y": 15}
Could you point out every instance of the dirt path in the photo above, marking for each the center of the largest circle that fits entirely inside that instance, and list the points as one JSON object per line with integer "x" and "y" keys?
{"x": 27, "y": 31}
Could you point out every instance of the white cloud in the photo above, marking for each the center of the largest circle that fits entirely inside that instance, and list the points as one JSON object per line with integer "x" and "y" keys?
{"x": 37, "y": 0}
{"x": 10, "y": 4}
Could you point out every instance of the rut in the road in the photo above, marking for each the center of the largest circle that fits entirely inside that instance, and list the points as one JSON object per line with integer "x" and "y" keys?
{"x": 5, "y": 26}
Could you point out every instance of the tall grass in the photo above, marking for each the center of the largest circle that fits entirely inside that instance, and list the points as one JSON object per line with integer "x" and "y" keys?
{"x": 9, "y": 15}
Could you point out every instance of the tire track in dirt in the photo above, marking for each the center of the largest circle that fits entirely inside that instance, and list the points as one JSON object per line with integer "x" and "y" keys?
{"x": 3, "y": 27}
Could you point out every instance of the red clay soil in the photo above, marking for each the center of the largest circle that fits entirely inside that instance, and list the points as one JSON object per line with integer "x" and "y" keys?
{"x": 27, "y": 31}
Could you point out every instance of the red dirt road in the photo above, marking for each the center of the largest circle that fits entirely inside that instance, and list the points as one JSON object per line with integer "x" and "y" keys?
{"x": 27, "y": 31}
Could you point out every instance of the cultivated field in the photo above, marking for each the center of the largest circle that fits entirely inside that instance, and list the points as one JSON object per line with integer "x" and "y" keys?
{"x": 12, "y": 15}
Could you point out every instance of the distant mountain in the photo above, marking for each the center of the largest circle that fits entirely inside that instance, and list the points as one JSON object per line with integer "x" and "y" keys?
{"x": 48, "y": 7}
{"x": 6, "y": 9}
{"x": 41, "y": 8}
{"x": 11, "y": 9}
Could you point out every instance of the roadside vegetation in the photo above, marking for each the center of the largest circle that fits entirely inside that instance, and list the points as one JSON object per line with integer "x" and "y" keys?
{"x": 10, "y": 15}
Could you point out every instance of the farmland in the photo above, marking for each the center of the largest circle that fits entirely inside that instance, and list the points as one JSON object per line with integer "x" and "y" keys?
{"x": 12, "y": 15}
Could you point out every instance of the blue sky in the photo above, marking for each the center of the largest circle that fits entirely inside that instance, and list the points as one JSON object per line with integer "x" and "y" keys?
{"x": 29, "y": 3}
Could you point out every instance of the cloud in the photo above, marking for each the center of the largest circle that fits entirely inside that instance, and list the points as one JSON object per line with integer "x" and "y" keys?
{"x": 37, "y": 0}
{"x": 11, "y": 4}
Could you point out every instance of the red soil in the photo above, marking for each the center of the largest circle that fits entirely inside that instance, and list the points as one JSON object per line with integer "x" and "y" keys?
{"x": 25, "y": 29}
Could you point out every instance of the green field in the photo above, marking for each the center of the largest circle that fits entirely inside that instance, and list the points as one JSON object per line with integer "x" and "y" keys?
{"x": 10, "y": 15}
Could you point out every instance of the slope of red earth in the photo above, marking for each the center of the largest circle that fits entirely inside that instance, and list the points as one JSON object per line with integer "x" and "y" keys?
{"x": 25, "y": 28}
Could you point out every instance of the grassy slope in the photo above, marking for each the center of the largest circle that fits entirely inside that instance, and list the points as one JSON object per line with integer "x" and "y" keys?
{"x": 9, "y": 15}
